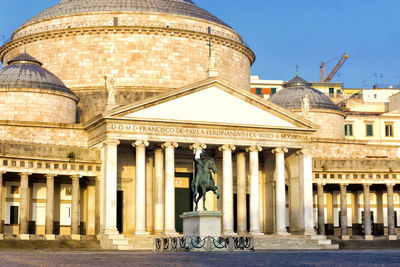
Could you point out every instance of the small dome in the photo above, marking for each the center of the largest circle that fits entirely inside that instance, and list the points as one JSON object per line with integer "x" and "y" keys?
{"x": 24, "y": 71}
{"x": 291, "y": 97}
{"x": 178, "y": 7}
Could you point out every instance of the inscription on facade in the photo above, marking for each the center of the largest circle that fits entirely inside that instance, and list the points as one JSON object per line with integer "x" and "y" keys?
{"x": 183, "y": 131}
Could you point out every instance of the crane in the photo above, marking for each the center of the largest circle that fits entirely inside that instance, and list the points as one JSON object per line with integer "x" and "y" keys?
{"x": 334, "y": 70}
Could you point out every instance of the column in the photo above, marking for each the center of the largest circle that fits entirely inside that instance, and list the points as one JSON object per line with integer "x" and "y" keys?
{"x": 306, "y": 192}
{"x": 169, "y": 214}
{"x": 149, "y": 194}
{"x": 343, "y": 211}
{"x": 159, "y": 191}
{"x": 241, "y": 194}
{"x": 108, "y": 190}
{"x": 50, "y": 206}
{"x": 97, "y": 207}
{"x": 227, "y": 194}
{"x": 321, "y": 209}
{"x": 280, "y": 191}
{"x": 75, "y": 207}
{"x": 1, "y": 205}
{"x": 140, "y": 215}
{"x": 197, "y": 150}
{"x": 367, "y": 213}
{"x": 23, "y": 208}
{"x": 390, "y": 211}
{"x": 254, "y": 199}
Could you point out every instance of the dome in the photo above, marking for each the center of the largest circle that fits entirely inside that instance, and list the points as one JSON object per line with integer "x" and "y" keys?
{"x": 178, "y": 7}
{"x": 291, "y": 97}
{"x": 28, "y": 92}
{"x": 24, "y": 71}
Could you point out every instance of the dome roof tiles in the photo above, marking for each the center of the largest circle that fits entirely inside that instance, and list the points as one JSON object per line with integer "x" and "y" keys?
{"x": 24, "y": 71}
{"x": 291, "y": 97}
{"x": 178, "y": 7}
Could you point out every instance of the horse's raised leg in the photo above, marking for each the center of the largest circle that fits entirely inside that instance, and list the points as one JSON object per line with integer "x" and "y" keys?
{"x": 216, "y": 191}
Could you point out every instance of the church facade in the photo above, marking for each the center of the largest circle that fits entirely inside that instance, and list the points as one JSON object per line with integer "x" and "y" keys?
{"x": 103, "y": 106}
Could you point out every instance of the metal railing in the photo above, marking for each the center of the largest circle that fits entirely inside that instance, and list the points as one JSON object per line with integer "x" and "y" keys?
{"x": 197, "y": 243}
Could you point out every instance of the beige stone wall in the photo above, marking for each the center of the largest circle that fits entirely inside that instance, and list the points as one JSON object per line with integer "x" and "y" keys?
{"x": 331, "y": 124}
{"x": 344, "y": 149}
{"x": 41, "y": 151}
{"x": 44, "y": 133}
{"x": 141, "y": 56}
{"x": 93, "y": 102}
{"x": 36, "y": 106}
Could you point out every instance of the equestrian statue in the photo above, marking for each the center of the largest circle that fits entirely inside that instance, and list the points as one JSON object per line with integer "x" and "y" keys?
{"x": 204, "y": 181}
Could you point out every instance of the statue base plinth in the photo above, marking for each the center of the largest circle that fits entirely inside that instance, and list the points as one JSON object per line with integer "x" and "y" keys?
{"x": 202, "y": 223}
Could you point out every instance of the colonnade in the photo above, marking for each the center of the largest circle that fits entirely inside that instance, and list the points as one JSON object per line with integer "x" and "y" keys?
{"x": 163, "y": 199}
{"x": 367, "y": 211}
{"x": 49, "y": 221}
{"x": 164, "y": 189}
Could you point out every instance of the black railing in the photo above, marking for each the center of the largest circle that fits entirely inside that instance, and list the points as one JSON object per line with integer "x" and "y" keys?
{"x": 209, "y": 243}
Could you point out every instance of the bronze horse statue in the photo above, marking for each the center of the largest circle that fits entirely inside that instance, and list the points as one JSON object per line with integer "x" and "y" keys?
{"x": 204, "y": 180}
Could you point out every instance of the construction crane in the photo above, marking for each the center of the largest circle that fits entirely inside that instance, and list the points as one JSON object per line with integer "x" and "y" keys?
{"x": 334, "y": 70}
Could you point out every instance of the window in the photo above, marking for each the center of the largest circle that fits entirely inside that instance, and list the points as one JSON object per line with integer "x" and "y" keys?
{"x": 14, "y": 190}
{"x": 258, "y": 91}
{"x": 273, "y": 91}
{"x": 115, "y": 21}
{"x": 68, "y": 191}
{"x": 348, "y": 129}
{"x": 14, "y": 215}
{"x": 338, "y": 93}
{"x": 369, "y": 130}
{"x": 331, "y": 92}
{"x": 389, "y": 130}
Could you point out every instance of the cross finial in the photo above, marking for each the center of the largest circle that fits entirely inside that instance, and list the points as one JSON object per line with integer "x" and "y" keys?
{"x": 297, "y": 70}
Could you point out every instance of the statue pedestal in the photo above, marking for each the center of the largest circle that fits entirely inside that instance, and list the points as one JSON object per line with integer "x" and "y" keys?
{"x": 202, "y": 223}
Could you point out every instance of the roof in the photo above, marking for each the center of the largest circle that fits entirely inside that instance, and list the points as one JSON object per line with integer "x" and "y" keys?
{"x": 291, "y": 97}
{"x": 24, "y": 71}
{"x": 178, "y": 7}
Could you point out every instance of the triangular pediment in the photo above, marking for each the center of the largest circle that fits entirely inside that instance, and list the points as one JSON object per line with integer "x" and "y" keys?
{"x": 212, "y": 102}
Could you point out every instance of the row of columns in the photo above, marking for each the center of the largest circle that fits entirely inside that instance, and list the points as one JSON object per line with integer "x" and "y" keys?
{"x": 367, "y": 211}
{"x": 49, "y": 223}
{"x": 164, "y": 189}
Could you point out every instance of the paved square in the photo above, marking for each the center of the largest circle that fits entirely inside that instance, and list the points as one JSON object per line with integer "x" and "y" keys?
{"x": 262, "y": 258}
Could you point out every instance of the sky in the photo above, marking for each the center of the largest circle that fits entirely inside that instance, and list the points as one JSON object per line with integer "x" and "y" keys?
{"x": 286, "y": 33}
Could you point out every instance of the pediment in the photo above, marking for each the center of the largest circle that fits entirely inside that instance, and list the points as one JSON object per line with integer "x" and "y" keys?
{"x": 212, "y": 102}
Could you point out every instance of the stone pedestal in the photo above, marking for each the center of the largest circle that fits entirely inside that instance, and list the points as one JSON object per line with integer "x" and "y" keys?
{"x": 202, "y": 223}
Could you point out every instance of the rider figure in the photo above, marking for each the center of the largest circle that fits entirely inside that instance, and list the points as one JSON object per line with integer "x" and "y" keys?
{"x": 199, "y": 163}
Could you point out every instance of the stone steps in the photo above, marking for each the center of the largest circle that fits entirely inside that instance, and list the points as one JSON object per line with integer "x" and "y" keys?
{"x": 293, "y": 242}
{"x": 141, "y": 242}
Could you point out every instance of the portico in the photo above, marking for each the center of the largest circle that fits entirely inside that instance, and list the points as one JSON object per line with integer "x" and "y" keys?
{"x": 167, "y": 131}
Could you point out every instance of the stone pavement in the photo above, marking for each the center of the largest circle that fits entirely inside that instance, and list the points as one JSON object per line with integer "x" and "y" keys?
{"x": 262, "y": 258}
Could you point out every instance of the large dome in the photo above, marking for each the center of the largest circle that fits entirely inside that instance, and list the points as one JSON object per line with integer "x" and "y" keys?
{"x": 292, "y": 96}
{"x": 178, "y": 7}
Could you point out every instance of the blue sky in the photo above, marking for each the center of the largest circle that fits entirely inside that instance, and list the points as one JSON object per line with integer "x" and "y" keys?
{"x": 284, "y": 33}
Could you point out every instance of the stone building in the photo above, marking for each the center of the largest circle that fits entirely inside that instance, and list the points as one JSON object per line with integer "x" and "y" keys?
{"x": 101, "y": 115}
